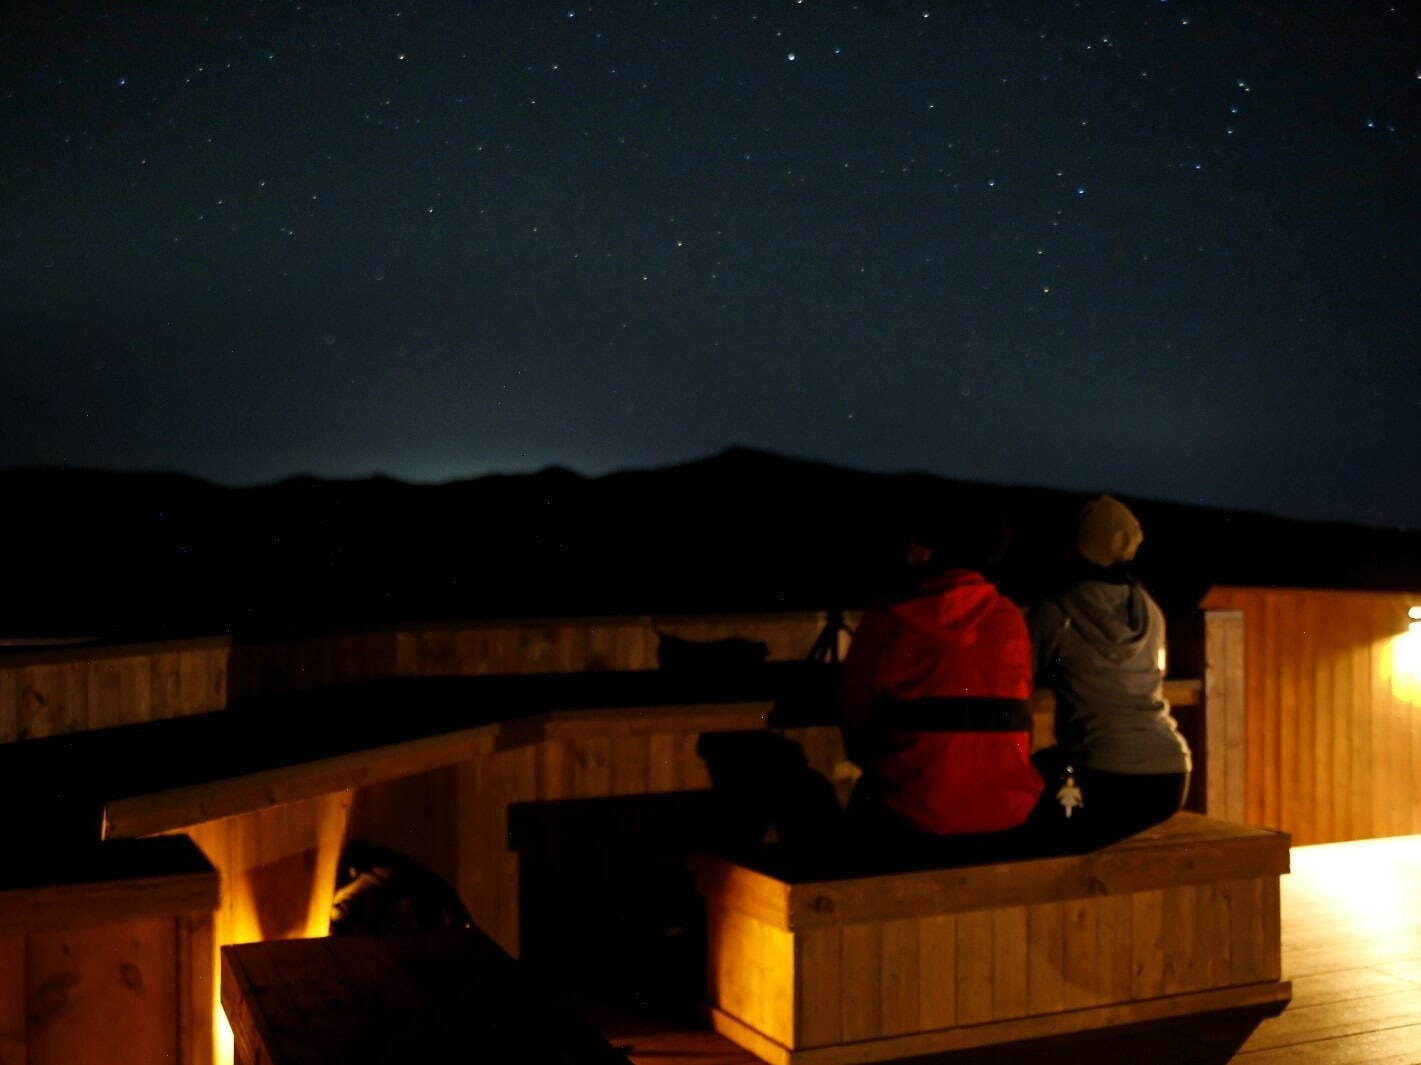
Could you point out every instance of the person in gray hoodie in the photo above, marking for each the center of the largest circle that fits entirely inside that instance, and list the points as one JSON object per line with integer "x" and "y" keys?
{"x": 1120, "y": 764}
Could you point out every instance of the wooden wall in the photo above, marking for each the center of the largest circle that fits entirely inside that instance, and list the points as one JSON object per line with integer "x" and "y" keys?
{"x": 462, "y": 831}
{"x": 1331, "y": 729}
{"x": 54, "y": 692}
{"x": 51, "y": 693}
{"x": 570, "y": 645}
{"x": 864, "y": 981}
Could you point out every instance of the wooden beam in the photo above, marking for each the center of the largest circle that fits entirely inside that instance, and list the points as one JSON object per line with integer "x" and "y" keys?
{"x": 1183, "y": 691}
{"x": 1224, "y": 739}
{"x": 163, "y": 811}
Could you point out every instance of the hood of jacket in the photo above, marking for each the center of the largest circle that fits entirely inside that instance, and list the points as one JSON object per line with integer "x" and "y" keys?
{"x": 1112, "y": 617}
{"x": 953, "y": 602}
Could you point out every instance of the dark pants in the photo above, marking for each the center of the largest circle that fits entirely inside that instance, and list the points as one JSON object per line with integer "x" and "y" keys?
{"x": 1114, "y": 806}
{"x": 879, "y": 840}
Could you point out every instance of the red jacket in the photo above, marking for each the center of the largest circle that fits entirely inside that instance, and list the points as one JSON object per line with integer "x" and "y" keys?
{"x": 934, "y": 700}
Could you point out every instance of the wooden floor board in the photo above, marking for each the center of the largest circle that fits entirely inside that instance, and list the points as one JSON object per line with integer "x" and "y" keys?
{"x": 1352, "y": 947}
{"x": 1308, "y": 1024}
{"x": 1388, "y": 1046}
{"x": 1344, "y": 985}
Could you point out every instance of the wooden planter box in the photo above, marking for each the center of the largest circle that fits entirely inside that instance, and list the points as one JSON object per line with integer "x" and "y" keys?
{"x": 107, "y": 956}
{"x": 1177, "y": 921}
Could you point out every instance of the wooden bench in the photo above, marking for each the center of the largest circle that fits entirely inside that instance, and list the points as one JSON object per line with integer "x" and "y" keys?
{"x": 422, "y": 997}
{"x": 106, "y": 954}
{"x": 1178, "y": 921}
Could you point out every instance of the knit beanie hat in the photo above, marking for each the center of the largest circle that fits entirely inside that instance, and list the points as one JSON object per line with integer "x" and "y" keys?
{"x": 1107, "y": 533}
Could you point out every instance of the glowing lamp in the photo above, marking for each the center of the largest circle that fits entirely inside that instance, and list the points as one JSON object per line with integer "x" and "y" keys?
{"x": 1415, "y": 615}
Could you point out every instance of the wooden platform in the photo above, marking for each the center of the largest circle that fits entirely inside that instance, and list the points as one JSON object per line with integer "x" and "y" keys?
{"x": 1181, "y": 920}
{"x": 1351, "y": 948}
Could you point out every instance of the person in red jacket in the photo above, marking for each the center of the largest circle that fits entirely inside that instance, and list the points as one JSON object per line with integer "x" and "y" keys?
{"x": 934, "y": 694}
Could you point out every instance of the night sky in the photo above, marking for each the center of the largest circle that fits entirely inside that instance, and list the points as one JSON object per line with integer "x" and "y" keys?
{"x": 1163, "y": 248}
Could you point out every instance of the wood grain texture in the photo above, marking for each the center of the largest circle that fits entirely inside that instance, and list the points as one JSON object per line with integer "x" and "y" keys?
{"x": 196, "y": 956}
{"x": 175, "y": 808}
{"x": 1331, "y": 744}
{"x": 754, "y": 977}
{"x": 819, "y": 988}
{"x": 860, "y": 981}
{"x": 146, "y": 878}
{"x": 14, "y": 1028}
{"x": 975, "y": 954}
{"x": 103, "y": 993}
{"x": 1081, "y": 954}
{"x": 1353, "y": 1000}
{"x": 278, "y": 868}
{"x": 1188, "y": 849}
{"x": 899, "y": 975}
{"x": 114, "y": 965}
{"x": 47, "y": 693}
{"x": 1046, "y": 977}
{"x": 937, "y": 971}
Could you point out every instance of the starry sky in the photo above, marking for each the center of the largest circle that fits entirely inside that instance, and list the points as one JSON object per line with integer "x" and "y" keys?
{"x": 1164, "y": 248}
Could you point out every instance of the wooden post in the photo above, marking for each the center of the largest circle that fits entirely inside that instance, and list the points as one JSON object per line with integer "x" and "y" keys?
{"x": 1224, "y": 754}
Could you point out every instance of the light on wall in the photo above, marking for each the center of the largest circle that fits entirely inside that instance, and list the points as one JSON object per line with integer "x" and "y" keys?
{"x": 1406, "y": 660}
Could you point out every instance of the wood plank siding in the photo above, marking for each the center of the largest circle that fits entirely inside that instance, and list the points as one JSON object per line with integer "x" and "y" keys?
{"x": 830, "y": 971}
{"x": 114, "y": 962}
{"x": 53, "y": 693}
{"x": 1331, "y": 741}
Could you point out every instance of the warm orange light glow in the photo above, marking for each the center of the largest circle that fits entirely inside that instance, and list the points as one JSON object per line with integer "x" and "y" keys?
{"x": 225, "y": 1051}
{"x": 1358, "y": 893}
{"x": 278, "y": 867}
{"x": 1406, "y": 665}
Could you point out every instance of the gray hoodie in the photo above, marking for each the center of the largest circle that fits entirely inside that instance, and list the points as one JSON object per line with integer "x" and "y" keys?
{"x": 1099, "y": 646}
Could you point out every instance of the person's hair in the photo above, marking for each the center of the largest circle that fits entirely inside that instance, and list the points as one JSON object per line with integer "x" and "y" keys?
{"x": 966, "y": 535}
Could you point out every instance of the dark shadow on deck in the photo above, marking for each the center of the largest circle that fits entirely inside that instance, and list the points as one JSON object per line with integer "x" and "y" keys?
{"x": 607, "y": 900}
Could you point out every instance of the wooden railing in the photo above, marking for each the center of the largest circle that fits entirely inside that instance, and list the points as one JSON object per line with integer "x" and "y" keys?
{"x": 51, "y": 693}
{"x": 73, "y": 689}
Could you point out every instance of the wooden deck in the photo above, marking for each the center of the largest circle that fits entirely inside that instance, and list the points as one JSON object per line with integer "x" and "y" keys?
{"x": 1351, "y": 946}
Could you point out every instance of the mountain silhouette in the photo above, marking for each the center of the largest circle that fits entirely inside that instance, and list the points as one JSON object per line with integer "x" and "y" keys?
{"x": 139, "y": 555}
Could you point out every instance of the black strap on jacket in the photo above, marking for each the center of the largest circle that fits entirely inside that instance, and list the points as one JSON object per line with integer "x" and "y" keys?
{"x": 958, "y": 713}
